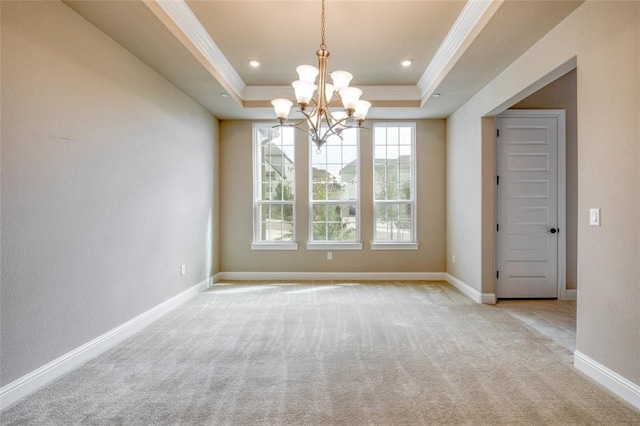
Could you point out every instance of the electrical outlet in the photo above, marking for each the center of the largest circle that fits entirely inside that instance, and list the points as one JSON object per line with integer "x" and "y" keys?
{"x": 183, "y": 270}
{"x": 329, "y": 255}
{"x": 453, "y": 258}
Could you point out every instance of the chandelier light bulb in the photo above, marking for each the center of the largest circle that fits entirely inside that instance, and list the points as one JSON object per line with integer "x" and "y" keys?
{"x": 307, "y": 73}
{"x": 341, "y": 79}
{"x": 362, "y": 107}
{"x": 282, "y": 108}
{"x": 304, "y": 91}
{"x": 350, "y": 97}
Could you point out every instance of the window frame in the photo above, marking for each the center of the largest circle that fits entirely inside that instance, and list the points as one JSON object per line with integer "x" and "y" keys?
{"x": 256, "y": 243}
{"x": 395, "y": 245}
{"x": 355, "y": 244}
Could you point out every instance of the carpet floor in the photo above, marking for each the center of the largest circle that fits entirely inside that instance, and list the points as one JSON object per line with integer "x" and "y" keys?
{"x": 402, "y": 353}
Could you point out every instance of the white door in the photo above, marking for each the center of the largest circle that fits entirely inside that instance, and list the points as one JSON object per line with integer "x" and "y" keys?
{"x": 527, "y": 227}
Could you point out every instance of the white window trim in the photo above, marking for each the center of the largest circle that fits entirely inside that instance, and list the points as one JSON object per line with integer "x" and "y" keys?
{"x": 348, "y": 245}
{"x": 257, "y": 244}
{"x": 274, "y": 246}
{"x": 335, "y": 245}
{"x": 397, "y": 245}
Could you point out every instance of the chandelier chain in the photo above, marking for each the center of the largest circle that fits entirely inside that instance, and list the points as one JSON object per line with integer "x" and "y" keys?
{"x": 323, "y": 46}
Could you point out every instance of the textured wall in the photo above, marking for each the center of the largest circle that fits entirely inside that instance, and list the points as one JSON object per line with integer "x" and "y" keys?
{"x": 603, "y": 39}
{"x": 237, "y": 221}
{"x": 107, "y": 186}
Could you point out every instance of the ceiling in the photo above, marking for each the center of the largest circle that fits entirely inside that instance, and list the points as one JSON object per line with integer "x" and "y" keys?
{"x": 203, "y": 47}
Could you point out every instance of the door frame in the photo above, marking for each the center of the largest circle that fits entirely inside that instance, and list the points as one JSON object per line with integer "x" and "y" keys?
{"x": 560, "y": 115}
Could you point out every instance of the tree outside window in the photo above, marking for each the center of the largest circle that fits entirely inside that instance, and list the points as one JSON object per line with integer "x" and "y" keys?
{"x": 394, "y": 167}
{"x": 334, "y": 190}
{"x": 274, "y": 184}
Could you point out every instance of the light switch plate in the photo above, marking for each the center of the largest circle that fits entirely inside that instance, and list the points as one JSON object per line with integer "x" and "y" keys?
{"x": 594, "y": 217}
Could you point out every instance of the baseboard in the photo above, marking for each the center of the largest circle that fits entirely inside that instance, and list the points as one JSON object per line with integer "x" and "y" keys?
{"x": 611, "y": 380}
{"x": 333, "y": 276}
{"x": 485, "y": 298}
{"x": 470, "y": 292}
{"x": 570, "y": 294}
{"x": 38, "y": 378}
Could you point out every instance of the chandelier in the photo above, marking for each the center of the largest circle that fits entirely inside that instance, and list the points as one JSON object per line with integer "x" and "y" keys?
{"x": 321, "y": 122}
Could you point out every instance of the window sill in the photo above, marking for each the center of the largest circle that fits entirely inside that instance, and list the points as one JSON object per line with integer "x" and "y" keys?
{"x": 334, "y": 246}
{"x": 394, "y": 246}
{"x": 274, "y": 246}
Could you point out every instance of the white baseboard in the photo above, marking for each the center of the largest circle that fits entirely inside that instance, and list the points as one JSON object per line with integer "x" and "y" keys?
{"x": 334, "y": 276}
{"x": 470, "y": 292}
{"x": 611, "y": 380}
{"x": 38, "y": 378}
{"x": 569, "y": 294}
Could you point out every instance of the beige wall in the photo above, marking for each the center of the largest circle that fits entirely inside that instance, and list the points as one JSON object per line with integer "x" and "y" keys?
{"x": 561, "y": 94}
{"x": 236, "y": 214}
{"x": 603, "y": 40}
{"x": 107, "y": 186}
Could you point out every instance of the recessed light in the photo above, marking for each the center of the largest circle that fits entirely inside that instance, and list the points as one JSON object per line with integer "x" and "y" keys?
{"x": 406, "y": 62}
{"x": 224, "y": 95}
{"x": 435, "y": 95}
{"x": 254, "y": 63}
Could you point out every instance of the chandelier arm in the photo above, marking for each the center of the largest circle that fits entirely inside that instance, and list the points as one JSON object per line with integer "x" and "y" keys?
{"x": 308, "y": 119}
{"x": 331, "y": 129}
{"x": 295, "y": 126}
{"x": 328, "y": 117}
{"x": 333, "y": 102}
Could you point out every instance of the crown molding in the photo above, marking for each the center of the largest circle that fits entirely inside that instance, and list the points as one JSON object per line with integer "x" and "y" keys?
{"x": 179, "y": 18}
{"x": 254, "y": 94}
{"x": 473, "y": 18}
{"x": 185, "y": 21}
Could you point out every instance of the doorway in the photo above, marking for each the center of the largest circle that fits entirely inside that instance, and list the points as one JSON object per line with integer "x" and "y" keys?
{"x": 530, "y": 204}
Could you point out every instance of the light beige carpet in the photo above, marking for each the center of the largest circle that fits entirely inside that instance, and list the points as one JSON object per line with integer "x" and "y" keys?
{"x": 338, "y": 353}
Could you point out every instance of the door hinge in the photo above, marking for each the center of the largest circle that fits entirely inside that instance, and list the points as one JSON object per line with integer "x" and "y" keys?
{"x": 497, "y": 274}
{"x": 497, "y": 227}
{"x": 498, "y": 132}
{"x": 498, "y": 180}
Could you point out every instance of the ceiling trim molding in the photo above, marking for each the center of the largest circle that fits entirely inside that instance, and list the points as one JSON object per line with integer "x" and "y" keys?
{"x": 263, "y": 93}
{"x": 370, "y": 93}
{"x": 473, "y": 18}
{"x": 192, "y": 28}
{"x": 262, "y": 103}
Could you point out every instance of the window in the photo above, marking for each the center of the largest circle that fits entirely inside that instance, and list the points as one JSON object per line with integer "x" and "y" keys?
{"x": 334, "y": 194}
{"x": 394, "y": 186}
{"x": 273, "y": 188}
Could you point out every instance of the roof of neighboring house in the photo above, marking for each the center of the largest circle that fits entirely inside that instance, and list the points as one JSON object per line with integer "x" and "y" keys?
{"x": 321, "y": 174}
{"x": 276, "y": 158}
{"x": 350, "y": 169}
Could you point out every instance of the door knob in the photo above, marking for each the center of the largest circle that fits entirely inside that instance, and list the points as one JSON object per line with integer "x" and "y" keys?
{"x": 554, "y": 230}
